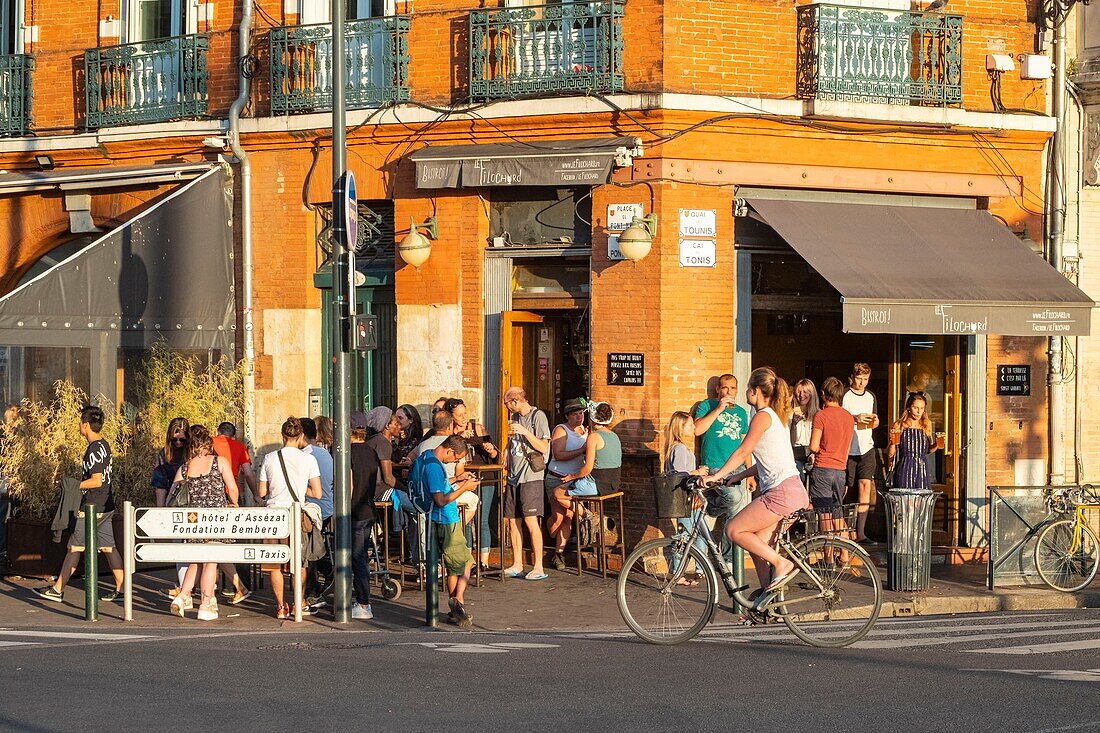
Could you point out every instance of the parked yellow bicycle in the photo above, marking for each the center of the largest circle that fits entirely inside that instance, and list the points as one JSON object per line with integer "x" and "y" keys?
{"x": 1067, "y": 552}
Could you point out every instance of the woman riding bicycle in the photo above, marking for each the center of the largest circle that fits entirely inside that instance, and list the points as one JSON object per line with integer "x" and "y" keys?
{"x": 779, "y": 490}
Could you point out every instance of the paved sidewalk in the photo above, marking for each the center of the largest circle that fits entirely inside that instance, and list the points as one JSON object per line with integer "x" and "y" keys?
{"x": 561, "y": 602}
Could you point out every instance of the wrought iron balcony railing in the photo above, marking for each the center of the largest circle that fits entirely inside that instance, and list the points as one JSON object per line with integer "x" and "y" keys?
{"x": 546, "y": 49}
{"x": 150, "y": 81}
{"x": 15, "y": 94}
{"x": 890, "y": 57}
{"x": 377, "y": 52}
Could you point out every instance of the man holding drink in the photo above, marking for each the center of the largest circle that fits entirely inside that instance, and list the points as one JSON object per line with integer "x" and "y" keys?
{"x": 862, "y": 463}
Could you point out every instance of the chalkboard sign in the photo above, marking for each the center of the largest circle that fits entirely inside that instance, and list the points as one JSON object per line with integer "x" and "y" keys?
{"x": 625, "y": 370}
{"x": 1013, "y": 380}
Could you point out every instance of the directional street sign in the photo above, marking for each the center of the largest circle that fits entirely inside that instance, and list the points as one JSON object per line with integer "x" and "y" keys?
{"x": 181, "y": 553}
{"x": 193, "y": 523}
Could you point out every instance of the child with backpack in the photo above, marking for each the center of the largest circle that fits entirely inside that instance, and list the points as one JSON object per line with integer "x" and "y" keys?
{"x": 431, "y": 491}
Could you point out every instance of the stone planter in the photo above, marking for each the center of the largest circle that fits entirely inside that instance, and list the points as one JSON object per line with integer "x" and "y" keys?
{"x": 33, "y": 553}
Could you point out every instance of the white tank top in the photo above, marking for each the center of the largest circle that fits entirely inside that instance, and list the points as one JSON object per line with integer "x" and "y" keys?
{"x": 773, "y": 454}
{"x": 572, "y": 442}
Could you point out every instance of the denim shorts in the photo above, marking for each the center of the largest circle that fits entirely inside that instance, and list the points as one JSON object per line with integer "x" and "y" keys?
{"x": 584, "y": 486}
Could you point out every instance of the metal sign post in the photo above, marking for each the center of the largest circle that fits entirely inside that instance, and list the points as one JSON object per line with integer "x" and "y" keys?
{"x": 343, "y": 308}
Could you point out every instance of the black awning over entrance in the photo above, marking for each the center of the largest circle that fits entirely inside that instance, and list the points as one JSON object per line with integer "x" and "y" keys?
{"x": 563, "y": 163}
{"x": 903, "y": 269}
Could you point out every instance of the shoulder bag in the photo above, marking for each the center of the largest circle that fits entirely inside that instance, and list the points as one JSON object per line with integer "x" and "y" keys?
{"x": 534, "y": 457}
{"x": 307, "y": 521}
{"x": 179, "y": 495}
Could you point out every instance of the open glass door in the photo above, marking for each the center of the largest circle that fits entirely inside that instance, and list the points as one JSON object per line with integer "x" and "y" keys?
{"x": 932, "y": 365}
{"x": 518, "y": 356}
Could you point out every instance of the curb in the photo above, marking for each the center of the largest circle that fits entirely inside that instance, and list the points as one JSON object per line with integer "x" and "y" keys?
{"x": 1002, "y": 601}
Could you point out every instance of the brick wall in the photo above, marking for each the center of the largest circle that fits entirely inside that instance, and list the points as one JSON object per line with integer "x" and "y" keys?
{"x": 1016, "y": 427}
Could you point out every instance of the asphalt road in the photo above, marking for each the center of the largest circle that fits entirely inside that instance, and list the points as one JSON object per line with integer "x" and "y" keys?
{"x": 1016, "y": 673}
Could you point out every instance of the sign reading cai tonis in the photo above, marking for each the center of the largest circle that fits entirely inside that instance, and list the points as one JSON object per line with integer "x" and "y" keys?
{"x": 1006, "y": 319}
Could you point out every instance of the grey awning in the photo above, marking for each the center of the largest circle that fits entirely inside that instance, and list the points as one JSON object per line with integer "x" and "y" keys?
{"x": 165, "y": 274}
{"x": 585, "y": 162}
{"x": 902, "y": 269}
{"x": 88, "y": 178}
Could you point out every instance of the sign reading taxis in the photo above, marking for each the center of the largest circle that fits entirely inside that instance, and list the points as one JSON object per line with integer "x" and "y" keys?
{"x": 213, "y": 524}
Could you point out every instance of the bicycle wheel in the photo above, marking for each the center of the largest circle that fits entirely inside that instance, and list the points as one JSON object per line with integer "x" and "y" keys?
{"x": 1062, "y": 565}
{"x": 847, "y": 604}
{"x": 656, "y": 608}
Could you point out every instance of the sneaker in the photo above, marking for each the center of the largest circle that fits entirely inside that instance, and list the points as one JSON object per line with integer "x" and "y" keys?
{"x": 239, "y": 597}
{"x": 182, "y": 604}
{"x": 111, "y": 595}
{"x": 282, "y": 612}
{"x": 361, "y": 613}
{"x": 208, "y": 611}
{"x": 228, "y": 593}
{"x": 461, "y": 617}
{"x": 173, "y": 592}
{"x": 49, "y": 593}
{"x": 305, "y": 610}
{"x": 558, "y": 561}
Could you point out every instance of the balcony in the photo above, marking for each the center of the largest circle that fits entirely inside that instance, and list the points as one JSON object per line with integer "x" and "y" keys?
{"x": 879, "y": 56}
{"x": 150, "y": 81}
{"x": 15, "y": 94}
{"x": 377, "y": 52}
{"x": 546, "y": 49}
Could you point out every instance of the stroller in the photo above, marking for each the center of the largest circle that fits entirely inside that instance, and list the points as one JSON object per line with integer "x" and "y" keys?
{"x": 390, "y": 587}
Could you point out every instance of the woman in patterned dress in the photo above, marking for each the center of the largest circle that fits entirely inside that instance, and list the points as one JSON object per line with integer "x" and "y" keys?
{"x": 911, "y": 439}
{"x": 210, "y": 485}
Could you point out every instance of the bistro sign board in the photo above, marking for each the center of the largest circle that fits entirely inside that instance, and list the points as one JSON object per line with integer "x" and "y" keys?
{"x": 963, "y": 319}
{"x": 625, "y": 370}
{"x": 583, "y": 162}
{"x": 1013, "y": 380}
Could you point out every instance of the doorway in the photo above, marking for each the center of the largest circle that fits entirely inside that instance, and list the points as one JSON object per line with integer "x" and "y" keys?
{"x": 544, "y": 339}
{"x": 796, "y": 328}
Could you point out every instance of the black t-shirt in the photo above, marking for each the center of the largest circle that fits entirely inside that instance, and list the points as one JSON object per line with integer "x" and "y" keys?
{"x": 365, "y": 460}
{"x": 97, "y": 459}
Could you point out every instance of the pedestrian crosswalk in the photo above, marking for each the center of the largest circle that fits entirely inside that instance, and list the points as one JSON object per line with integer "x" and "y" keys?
{"x": 1004, "y": 634}
{"x": 10, "y": 638}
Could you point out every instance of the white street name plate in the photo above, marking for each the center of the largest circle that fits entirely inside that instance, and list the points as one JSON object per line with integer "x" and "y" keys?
{"x": 171, "y": 552}
{"x": 697, "y": 253}
{"x": 208, "y": 524}
{"x": 698, "y": 223}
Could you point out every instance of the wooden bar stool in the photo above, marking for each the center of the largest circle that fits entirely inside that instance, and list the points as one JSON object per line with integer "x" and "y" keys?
{"x": 595, "y": 505}
{"x": 490, "y": 475}
{"x": 386, "y": 506}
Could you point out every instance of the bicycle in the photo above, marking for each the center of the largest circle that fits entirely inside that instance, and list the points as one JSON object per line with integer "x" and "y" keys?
{"x": 833, "y": 602}
{"x": 1067, "y": 552}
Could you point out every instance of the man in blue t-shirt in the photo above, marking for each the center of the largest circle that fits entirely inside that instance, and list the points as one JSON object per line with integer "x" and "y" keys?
{"x": 428, "y": 472}
{"x": 720, "y": 426}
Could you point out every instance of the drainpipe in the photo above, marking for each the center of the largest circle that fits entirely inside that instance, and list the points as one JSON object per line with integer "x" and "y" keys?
{"x": 1057, "y": 213}
{"x": 244, "y": 33}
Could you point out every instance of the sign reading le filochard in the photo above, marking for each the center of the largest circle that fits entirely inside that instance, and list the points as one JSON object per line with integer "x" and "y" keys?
{"x": 966, "y": 319}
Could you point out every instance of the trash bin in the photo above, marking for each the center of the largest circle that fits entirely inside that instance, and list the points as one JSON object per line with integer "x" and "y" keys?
{"x": 909, "y": 538}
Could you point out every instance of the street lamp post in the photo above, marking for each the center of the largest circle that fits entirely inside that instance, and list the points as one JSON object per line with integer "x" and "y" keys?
{"x": 342, "y": 311}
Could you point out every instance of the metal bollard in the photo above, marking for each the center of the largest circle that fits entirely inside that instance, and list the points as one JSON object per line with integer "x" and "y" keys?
{"x": 91, "y": 565}
{"x": 431, "y": 587}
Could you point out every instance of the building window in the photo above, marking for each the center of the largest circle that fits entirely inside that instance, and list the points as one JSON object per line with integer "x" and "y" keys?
{"x": 535, "y": 216}
{"x": 30, "y": 372}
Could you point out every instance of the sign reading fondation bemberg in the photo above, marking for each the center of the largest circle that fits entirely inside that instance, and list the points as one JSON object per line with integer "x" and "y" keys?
{"x": 205, "y": 524}
{"x": 978, "y": 319}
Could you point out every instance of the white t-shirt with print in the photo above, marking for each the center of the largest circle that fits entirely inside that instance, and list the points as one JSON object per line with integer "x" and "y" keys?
{"x": 860, "y": 404}
{"x": 301, "y": 467}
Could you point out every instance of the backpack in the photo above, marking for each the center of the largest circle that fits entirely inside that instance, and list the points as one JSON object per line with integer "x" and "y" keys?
{"x": 419, "y": 492}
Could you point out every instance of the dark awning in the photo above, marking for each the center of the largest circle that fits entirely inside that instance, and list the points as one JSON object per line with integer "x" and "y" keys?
{"x": 165, "y": 274}
{"x": 906, "y": 269}
{"x": 586, "y": 162}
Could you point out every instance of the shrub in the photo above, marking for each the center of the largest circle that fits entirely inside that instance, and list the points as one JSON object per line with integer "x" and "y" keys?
{"x": 45, "y": 444}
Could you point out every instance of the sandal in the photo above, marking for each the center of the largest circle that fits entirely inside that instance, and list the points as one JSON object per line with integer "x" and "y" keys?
{"x": 684, "y": 582}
